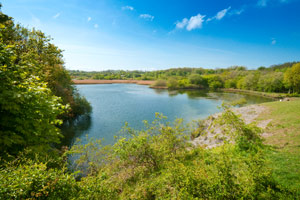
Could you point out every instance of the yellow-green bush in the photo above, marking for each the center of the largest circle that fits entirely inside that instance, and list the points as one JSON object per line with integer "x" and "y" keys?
{"x": 31, "y": 180}
{"x": 159, "y": 163}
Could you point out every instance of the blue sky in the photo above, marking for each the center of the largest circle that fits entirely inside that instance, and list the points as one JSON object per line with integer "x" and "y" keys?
{"x": 160, "y": 34}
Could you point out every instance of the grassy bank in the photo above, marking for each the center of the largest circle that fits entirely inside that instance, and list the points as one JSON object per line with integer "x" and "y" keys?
{"x": 284, "y": 137}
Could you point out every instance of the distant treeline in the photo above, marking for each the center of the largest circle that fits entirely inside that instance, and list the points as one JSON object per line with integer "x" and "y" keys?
{"x": 276, "y": 78}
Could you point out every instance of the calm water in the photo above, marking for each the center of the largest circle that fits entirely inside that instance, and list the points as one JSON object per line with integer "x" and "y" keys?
{"x": 115, "y": 104}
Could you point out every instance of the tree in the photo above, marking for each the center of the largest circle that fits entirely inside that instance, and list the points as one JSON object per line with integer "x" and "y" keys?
{"x": 28, "y": 109}
{"x": 197, "y": 79}
{"x": 292, "y": 78}
{"x": 215, "y": 82}
{"x": 271, "y": 82}
{"x": 34, "y": 51}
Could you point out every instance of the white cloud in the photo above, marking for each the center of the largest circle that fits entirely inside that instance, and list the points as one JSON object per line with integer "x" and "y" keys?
{"x": 147, "y": 17}
{"x": 194, "y": 22}
{"x": 56, "y": 16}
{"x": 127, "y": 8}
{"x": 220, "y": 15}
{"x": 96, "y": 25}
{"x": 89, "y": 19}
{"x": 182, "y": 24}
{"x": 273, "y": 42}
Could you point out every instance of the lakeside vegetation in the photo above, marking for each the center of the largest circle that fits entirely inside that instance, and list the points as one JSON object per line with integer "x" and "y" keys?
{"x": 282, "y": 78}
{"x": 36, "y": 95}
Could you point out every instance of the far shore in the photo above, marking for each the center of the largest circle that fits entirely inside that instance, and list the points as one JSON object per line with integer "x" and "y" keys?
{"x": 139, "y": 82}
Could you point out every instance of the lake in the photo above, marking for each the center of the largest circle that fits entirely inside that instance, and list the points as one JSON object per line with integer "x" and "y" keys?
{"x": 115, "y": 104}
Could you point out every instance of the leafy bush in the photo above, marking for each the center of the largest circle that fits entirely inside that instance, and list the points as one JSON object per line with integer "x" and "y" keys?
{"x": 160, "y": 83}
{"x": 172, "y": 83}
{"x": 159, "y": 163}
{"x": 30, "y": 180}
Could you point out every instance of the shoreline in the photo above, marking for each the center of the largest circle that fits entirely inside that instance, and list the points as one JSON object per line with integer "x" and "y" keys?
{"x": 256, "y": 93}
{"x": 150, "y": 83}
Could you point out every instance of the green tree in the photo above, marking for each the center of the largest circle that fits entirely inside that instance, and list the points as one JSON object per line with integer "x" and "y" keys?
{"x": 271, "y": 82}
{"x": 292, "y": 78}
{"x": 197, "y": 79}
{"x": 28, "y": 109}
{"x": 42, "y": 58}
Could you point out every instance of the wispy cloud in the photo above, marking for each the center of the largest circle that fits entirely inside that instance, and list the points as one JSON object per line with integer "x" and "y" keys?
{"x": 127, "y": 8}
{"x": 236, "y": 12}
{"x": 220, "y": 15}
{"x": 89, "y": 19}
{"x": 147, "y": 17}
{"x": 56, "y": 16}
{"x": 262, "y": 3}
{"x": 273, "y": 41}
{"x": 182, "y": 23}
{"x": 195, "y": 22}
{"x": 96, "y": 25}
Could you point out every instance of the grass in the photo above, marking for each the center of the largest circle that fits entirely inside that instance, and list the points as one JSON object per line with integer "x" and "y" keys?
{"x": 284, "y": 140}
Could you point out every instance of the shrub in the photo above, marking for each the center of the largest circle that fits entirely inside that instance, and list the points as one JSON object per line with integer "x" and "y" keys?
{"x": 30, "y": 180}
{"x": 172, "y": 83}
{"x": 159, "y": 163}
{"x": 160, "y": 83}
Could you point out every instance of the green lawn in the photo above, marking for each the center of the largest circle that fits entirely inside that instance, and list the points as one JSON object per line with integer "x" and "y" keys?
{"x": 285, "y": 141}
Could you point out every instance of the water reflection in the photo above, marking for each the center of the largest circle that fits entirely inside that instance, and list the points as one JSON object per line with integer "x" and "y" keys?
{"x": 160, "y": 91}
{"x": 194, "y": 94}
{"x": 216, "y": 95}
{"x": 73, "y": 129}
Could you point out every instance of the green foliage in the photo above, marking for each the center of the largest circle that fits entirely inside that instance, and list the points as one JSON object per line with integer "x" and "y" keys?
{"x": 292, "y": 78}
{"x": 159, "y": 163}
{"x": 197, "y": 80}
{"x": 200, "y": 124}
{"x": 271, "y": 82}
{"x": 214, "y": 82}
{"x": 160, "y": 83}
{"x": 32, "y": 50}
{"x": 28, "y": 110}
{"x": 30, "y": 180}
{"x": 35, "y": 91}
{"x": 172, "y": 83}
